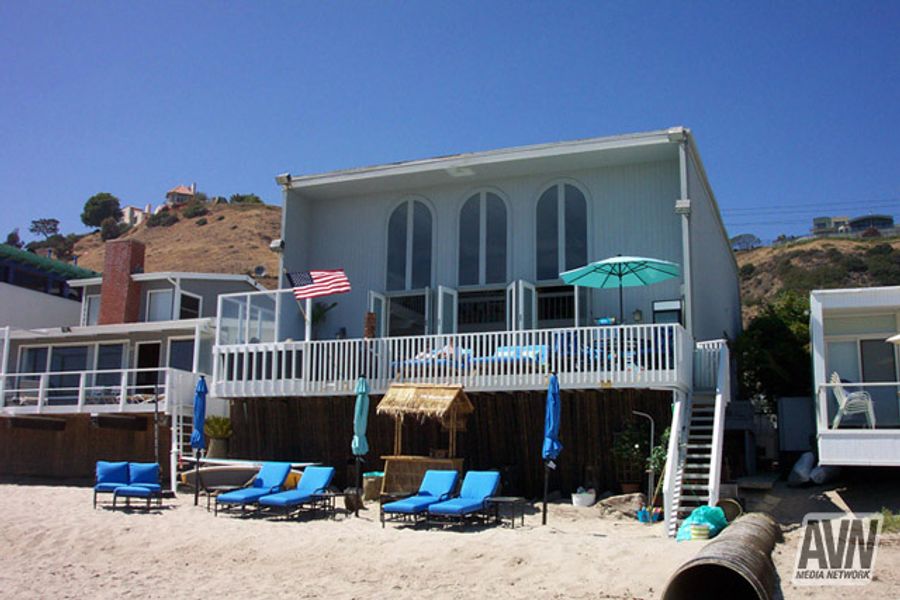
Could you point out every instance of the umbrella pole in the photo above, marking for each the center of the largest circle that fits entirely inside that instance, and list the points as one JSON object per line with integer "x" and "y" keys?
{"x": 546, "y": 484}
{"x": 196, "y": 477}
{"x": 621, "y": 314}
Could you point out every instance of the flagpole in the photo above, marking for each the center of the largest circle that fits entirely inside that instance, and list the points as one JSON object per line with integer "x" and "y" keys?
{"x": 308, "y": 316}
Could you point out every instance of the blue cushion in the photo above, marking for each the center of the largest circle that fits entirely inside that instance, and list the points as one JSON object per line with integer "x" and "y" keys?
{"x": 272, "y": 475}
{"x": 133, "y": 491}
{"x": 479, "y": 485}
{"x": 410, "y": 506}
{"x": 108, "y": 487}
{"x": 315, "y": 480}
{"x": 288, "y": 498}
{"x": 456, "y": 506}
{"x": 153, "y": 487}
{"x": 143, "y": 473}
{"x": 242, "y": 496}
{"x": 112, "y": 472}
{"x": 437, "y": 483}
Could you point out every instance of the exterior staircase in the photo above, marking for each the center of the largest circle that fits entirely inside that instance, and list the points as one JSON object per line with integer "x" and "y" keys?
{"x": 695, "y": 449}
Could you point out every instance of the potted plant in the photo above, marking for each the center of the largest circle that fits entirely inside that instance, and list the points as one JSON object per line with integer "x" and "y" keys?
{"x": 218, "y": 430}
{"x": 630, "y": 451}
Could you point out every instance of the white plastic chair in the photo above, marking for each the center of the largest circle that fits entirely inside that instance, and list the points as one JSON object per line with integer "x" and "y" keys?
{"x": 853, "y": 403}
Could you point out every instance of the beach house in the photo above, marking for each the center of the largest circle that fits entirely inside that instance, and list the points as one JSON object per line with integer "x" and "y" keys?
{"x": 856, "y": 375}
{"x": 141, "y": 343}
{"x": 455, "y": 266}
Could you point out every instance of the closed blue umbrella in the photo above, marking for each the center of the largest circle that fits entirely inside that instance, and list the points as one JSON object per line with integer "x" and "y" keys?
{"x": 552, "y": 446}
{"x": 198, "y": 439}
{"x": 621, "y": 272}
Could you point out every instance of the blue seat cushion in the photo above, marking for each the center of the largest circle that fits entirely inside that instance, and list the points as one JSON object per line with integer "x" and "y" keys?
{"x": 153, "y": 487}
{"x": 456, "y": 506}
{"x": 143, "y": 473}
{"x": 288, "y": 498}
{"x": 108, "y": 487}
{"x": 242, "y": 496}
{"x": 410, "y": 506}
{"x": 133, "y": 491}
{"x": 112, "y": 472}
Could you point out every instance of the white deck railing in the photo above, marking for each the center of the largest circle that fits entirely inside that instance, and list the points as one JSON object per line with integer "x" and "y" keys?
{"x": 706, "y": 363}
{"x": 882, "y": 398}
{"x": 119, "y": 390}
{"x": 647, "y": 356}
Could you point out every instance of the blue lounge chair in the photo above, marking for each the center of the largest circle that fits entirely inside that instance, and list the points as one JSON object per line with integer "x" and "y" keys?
{"x": 534, "y": 357}
{"x": 436, "y": 486}
{"x": 477, "y": 487}
{"x": 268, "y": 481}
{"x": 110, "y": 476}
{"x": 312, "y": 485}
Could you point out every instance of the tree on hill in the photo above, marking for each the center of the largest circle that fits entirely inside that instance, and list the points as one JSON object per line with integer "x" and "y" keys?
{"x": 245, "y": 199}
{"x": 45, "y": 227}
{"x": 13, "y": 239}
{"x": 745, "y": 241}
{"x": 100, "y": 207}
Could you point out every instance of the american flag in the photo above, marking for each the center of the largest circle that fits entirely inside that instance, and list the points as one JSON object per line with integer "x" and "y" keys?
{"x": 312, "y": 284}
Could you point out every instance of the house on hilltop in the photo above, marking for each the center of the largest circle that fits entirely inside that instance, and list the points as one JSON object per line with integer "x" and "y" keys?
{"x": 181, "y": 195}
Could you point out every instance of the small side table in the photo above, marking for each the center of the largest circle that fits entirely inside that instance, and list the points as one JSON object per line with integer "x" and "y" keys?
{"x": 512, "y": 506}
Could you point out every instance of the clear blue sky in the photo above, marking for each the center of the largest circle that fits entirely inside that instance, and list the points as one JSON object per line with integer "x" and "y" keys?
{"x": 796, "y": 106}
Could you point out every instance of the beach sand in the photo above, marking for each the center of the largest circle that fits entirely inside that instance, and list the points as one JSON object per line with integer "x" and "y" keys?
{"x": 55, "y": 545}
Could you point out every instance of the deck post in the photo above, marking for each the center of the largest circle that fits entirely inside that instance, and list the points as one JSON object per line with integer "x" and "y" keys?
{"x": 82, "y": 384}
{"x": 42, "y": 392}
{"x": 5, "y": 359}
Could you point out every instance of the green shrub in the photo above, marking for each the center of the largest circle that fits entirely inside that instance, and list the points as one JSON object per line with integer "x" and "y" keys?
{"x": 201, "y": 222}
{"x": 194, "y": 209}
{"x": 748, "y": 270}
{"x": 110, "y": 229}
{"x": 162, "y": 219}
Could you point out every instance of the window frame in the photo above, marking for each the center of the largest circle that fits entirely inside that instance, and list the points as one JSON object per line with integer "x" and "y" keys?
{"x": 199, "y": 299}
{"x": 561, "y": 239}
{"x": 482, "y": 193}
{"x": 409, "y": 201}
{"x": 86, "y": 309}
{"x": 180, "y": 338}
{"x": 150, "y": 294}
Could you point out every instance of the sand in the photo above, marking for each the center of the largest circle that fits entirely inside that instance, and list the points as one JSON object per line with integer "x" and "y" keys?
{"x": 55, "y": 545}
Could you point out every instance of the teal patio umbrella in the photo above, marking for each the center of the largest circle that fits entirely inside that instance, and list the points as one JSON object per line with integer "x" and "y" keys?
{"x": 360, "y": 445}
{"x": 621, "y": 272}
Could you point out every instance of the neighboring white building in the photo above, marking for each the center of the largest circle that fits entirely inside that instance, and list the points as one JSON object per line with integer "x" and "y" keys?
{"x": 849, "y": 330}
{"x": 181, "y": 195}
{"x": 135, "y": 215}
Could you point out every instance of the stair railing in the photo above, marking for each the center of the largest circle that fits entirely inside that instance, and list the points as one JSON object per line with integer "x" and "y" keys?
{"x": 723, "y": 397}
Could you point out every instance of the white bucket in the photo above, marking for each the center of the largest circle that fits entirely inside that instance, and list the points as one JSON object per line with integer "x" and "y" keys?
{"x": 584, "y": 498}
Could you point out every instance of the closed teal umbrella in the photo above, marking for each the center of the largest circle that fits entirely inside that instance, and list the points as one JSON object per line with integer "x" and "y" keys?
{"x": 622, "y": 272}
{"x": 360, "y": 445}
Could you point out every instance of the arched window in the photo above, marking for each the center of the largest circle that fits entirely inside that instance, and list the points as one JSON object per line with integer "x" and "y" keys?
{"x": 409, "y": 247}
{"x": 561, "y": 230}
{"x": 482, "y": 240}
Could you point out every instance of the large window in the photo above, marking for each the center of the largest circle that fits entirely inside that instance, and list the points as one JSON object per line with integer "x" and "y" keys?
{"x": 561, "y": 231}
{"x": 409, "y": 247}
{"x": 482, "y": 240}
{"x": 159, "y": 305}
{"x": 190, "y": 306}
{"x": 91, "y": 309}
{"x": 181, "y": 354}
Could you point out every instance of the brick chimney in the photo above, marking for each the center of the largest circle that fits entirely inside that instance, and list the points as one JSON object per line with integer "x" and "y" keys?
{"x": 120, "y": 296}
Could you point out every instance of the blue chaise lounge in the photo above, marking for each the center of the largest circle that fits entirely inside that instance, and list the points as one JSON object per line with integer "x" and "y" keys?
{"x": 313, "y": 483}
{"x": 268, "y": 481}
{"x": 477, "y": 487}
{"x": 436, "y": 486}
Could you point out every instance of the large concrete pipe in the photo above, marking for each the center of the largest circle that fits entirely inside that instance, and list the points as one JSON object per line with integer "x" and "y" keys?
{"x": 736, "y": 565}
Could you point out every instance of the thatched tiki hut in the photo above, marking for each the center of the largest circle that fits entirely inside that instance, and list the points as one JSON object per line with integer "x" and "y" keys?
{"x": 447, "y": 404}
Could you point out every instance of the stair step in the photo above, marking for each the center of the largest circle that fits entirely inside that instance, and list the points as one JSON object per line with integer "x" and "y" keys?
{"x": 698, "y": 446}
{"x": 695, "y": 486}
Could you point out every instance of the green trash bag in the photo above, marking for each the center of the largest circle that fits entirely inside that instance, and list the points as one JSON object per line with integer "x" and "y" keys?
{"x": 711, "y": 516}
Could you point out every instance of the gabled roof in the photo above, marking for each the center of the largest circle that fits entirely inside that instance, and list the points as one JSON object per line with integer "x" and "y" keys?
{"x": 42, "y": 263}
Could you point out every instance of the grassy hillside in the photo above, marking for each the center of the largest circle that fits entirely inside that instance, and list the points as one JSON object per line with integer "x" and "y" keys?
{"x": 816, "y": 264}
{"x": 230, "y": 239}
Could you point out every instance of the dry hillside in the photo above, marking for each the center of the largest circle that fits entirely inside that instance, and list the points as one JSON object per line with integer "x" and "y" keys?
{"x": 234, "y": 239}
{"x": 815, "y": 264}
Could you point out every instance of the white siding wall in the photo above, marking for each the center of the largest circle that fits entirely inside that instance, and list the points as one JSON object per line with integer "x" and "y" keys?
{"x": 630, "y": 208}
{"x": 27, "y": 309}
{"x": 716, "y": 287}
